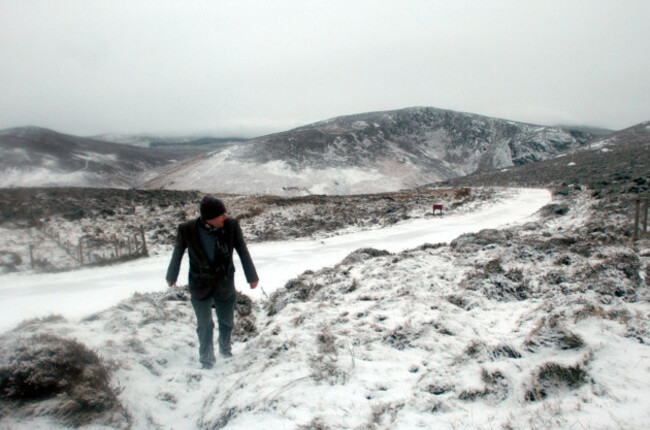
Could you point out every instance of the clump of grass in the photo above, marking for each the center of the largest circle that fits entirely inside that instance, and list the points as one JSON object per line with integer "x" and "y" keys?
{"x": 225, "y": 418}
{"x": 552, "y": 332}
{"x": 364, "y": 254}
{"x": 616, "y": 276}
{"x": 325, "y": 365}
{"x": 588, "y": 310}
{"x": 493, "y": 267}
{"x": 554, "y": 210}
{"x": 506, "y": 351}
{"x": 315, "y": 424}
{"x": 245, "y": 324}
{"x": 250, "y": 212}
{"x": 475, "y": 349}
{"x": 299, "y": 289}
{"x": 403, "y": 336}
{"x": 462, "y": 193}
{"x": 36, "y": 322}
{"x": 457, "y": 300}
{"x": 58, "y": 377}
{"x": 326, "y": 342}
{"x": 384, "y": 415}
{"x": 495, "y": 388}
{"x": 552, "y": 377}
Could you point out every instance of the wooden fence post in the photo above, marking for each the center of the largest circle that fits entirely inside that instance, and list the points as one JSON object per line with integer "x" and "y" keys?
{"x": 144, "y": 242}
{"x": 81, "y": 252}
{"x": 31, "y": 255}
{"x": 645, "y": 216}
{"x": 637, "y": 208}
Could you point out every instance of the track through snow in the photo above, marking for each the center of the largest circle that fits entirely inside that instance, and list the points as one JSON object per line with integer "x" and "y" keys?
{"x": 80, "y": 293}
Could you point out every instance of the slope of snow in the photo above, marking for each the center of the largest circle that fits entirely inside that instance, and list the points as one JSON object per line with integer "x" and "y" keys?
{"x": 221, "y": 174}
{"x": 80, "y": 293}
{"x": 397, "y": 341}
{"x": 45, "y": 177}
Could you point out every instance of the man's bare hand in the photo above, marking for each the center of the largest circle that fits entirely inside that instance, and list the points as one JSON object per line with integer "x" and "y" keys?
{"x": 254, "y": 284}
{"x": 171, "y": 284}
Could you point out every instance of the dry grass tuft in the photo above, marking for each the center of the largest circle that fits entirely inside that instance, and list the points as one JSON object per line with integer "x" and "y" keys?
{"x": 552, "y": 377}
{"x": 71, "y": 377}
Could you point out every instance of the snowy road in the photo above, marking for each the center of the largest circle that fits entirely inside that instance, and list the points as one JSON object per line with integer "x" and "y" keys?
{"x": 79, "y": 293}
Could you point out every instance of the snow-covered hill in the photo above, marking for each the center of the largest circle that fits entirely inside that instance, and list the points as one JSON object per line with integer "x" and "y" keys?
{"x": 616, "y": 165}
{"x": 372, "y": 152}
{"x": 32, "y": 157}
{"x": 364, "y": 153}
{"x": 532, "y": 326}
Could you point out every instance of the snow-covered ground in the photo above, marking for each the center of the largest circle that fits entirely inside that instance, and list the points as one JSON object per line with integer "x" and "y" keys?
{"x": 503, "y": 329}
{"x": 80, "y": 293}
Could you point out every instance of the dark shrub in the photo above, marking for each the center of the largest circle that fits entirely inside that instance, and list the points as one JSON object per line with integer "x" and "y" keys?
{"x": 554, "y": 209}
{"x": 66, "y": 373}
{"x": 473, "y": 242}
{"x": 493, "y": 266}
{"x": 506, "y": 351}
{"x": 295, "y": 290}
{"x": 364, "y": 254}
{"x": 553, "y": 376}
{"x": 244, "y": 304}
{"x": 462, "y": 193}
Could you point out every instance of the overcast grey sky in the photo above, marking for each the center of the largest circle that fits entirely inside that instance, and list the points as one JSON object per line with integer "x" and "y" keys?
{"x": 255, "y": 67}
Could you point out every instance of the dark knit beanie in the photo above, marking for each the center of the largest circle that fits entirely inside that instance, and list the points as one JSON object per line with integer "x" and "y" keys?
{"x": 211, "y": 208}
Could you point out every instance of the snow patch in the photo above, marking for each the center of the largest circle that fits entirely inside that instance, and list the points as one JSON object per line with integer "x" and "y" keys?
{"x": 44, "y": 177}
{"x": 79, "y": 293}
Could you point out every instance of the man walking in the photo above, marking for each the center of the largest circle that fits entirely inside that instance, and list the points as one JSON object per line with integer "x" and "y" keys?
{"x": 210, "y": 241}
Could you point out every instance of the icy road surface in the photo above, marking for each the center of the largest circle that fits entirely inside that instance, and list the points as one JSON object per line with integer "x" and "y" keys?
{"x": 80, "y": 293}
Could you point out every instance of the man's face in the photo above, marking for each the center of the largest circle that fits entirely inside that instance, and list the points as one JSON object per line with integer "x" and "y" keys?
{"x": 218, "y": 221}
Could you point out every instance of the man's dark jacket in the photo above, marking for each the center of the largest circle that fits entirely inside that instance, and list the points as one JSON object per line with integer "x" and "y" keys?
{"x": 209, "y": 277}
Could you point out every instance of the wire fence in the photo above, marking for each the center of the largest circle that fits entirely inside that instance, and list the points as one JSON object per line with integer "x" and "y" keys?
{"x": 89, "y": 251}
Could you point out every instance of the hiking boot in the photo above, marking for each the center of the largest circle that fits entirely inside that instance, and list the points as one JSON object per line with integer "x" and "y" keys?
{"x": 207, "y": 366}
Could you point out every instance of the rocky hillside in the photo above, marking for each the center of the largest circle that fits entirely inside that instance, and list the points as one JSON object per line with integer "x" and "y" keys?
{"x": 371, "y": 152}
{"x": 615, "y": 169}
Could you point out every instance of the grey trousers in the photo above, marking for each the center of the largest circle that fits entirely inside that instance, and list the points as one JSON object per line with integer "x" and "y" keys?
{"x": 225, "y": 310}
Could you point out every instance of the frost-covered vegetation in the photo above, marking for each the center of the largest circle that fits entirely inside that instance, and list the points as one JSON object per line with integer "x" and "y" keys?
{"x": 96, "y": 218}
{"x": 542, "y": 325}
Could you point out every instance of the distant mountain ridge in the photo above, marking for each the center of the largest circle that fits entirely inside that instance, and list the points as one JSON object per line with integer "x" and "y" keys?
{"x": 32, "y": 156}
{"x": 418, "y": 133}
{"x": 354, "y": 154}
{"x": 372, "y": 152}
